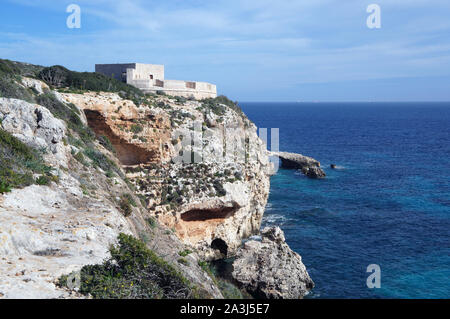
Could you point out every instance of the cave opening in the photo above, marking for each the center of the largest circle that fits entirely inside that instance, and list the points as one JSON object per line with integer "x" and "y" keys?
{"x": 127, "y": 153}
{"x": 208, "y": 214}
{"x": 220, "y": 245}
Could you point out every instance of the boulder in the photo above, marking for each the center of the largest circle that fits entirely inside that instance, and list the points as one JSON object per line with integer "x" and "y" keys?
{"x": 35, "y": 126}
{"x": 269, "y": 269}
{"x": 307, "y": 165}
{"x": 313, "y": 172}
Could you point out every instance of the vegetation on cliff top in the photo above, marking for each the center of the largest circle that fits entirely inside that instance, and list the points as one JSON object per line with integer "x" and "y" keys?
{"x": 217, "y": 105}
{"x": 10, "y": 73}
{"x": 132, "y": 272}
{"x": 18, "y": 173}
{"x": 59, "y": 77}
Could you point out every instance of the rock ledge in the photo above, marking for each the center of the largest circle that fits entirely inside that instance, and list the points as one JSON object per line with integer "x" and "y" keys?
{"x": 308, "y": 165}
{"x": 270, "y": 269}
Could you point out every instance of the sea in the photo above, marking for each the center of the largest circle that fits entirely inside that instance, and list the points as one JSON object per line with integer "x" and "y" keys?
{"x": 387, "y": 203}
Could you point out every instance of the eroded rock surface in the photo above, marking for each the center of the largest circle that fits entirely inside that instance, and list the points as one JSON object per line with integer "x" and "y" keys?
{"x": 203, "y": 170}
{"x": 49, "y": 231}
{"x": 270, "y": 269}
{"x": 307, "y": 165}
{"x": 206, "y": 195}
{"x": 35, "y": 126}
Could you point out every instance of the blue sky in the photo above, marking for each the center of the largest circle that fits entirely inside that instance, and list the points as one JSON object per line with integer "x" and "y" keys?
{"x": 254, "y": 50}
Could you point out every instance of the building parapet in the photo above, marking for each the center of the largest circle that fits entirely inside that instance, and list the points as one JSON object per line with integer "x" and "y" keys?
{"x": 150, "y": 78}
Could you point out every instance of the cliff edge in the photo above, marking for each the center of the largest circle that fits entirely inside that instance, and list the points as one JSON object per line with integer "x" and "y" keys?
{"x": 92, "y": 170}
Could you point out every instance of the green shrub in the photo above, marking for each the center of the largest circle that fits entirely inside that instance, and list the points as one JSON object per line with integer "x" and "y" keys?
{"x": 43, "y": 180}
{"x": 18, "y": 162}
{"x": 216, "y": 105}
{"x": 180, "y": 99}
{"x": 61, "y": 77}
{"x": 228, "y": 290}
{"x": 132, "y": 272}
{"x": 80, "y": 158}
{"x": 184, "y": 253}
{"x": 135, "y": 128}
{"x": 9, "y": 88}
{"x": 152, "y": 222}
{"x": 8, "y": 67}
{"x": 100, "y": 160}
{"x": 125, "y": 205}
{"x": 4, "y": 187}
{"x": 130, "y": 199}
{"x": 110, "y": 174}
{"x": 106, "y": 143}
{"x": 219, "y": 188}
{"x": 183, "y": 261}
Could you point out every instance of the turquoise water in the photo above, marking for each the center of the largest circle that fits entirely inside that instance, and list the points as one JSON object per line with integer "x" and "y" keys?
{"x": 388, "y": 203}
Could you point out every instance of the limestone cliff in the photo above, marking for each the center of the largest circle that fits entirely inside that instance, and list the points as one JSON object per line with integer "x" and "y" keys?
{"x": 269, "y": 269}
{"x": 201, "y": 167}
{"x": 58, "y": 225}
{"x": 188, "y": 178}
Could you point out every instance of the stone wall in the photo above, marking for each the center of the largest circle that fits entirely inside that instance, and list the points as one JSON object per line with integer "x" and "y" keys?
{"x": 128, "y": 72}
{"x": 115, "y": 70}
{"x": 150, "y": 79}
{"x": 149, "y": 72}
{"x": 198, "y": 90}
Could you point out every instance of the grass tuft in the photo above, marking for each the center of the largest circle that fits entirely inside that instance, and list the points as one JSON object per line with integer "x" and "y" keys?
{"x": 133, "y": 272}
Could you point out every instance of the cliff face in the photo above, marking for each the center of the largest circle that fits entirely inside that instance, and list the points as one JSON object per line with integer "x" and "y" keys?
{"x": 269, "y": 269}
{"x": 74, "y": 209}
{"x": 78, "y": 168}
{"x": 201, "y": 167}
{"x": 197, "y": 168}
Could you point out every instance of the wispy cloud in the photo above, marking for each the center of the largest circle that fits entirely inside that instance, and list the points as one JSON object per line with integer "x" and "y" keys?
{"x": 247, "y": 45}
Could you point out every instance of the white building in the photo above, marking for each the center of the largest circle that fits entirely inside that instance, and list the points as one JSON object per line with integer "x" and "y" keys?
{"x": 150, "y": 79}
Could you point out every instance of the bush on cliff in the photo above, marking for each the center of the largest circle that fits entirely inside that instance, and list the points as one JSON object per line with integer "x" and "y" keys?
{"x": 10, "y": 77}
{"x": 10, "y": 89}
{"x": 18, "y": 163}
{"x": 60, "y": 77}
{"x": 133, "y": 272}
{"x": 4, "y": 187}
{"x": 19, "y": 68}
{"x": 216, "y": 105}
{"x": 69, "y": 113}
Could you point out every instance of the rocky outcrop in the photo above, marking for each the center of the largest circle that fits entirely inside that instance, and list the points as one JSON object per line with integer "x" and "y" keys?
{"x": 307, "y": 165}
{"x": 203, "y": 169}
{"x": 53, "y": 230}
{"x": 35, "y": 126}
{"x": 38, "y": 86}
{"x": 270, "y": 269}
{"x": 313, "y": 172}
{"x": 198, "y": 169}
{"x": 139, "y": 135}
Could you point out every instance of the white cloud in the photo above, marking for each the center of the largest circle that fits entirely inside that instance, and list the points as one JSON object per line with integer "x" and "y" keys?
{"x": 251, "y": 43}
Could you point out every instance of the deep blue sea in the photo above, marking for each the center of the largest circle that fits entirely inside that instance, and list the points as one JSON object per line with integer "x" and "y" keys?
{"x": 388, "y": 203}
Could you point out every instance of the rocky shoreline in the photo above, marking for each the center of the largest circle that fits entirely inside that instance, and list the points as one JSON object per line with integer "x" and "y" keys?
{"x": 307, "y": 165}
{"x": 269, "y": 269}
{"x": 112, "y": 167}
